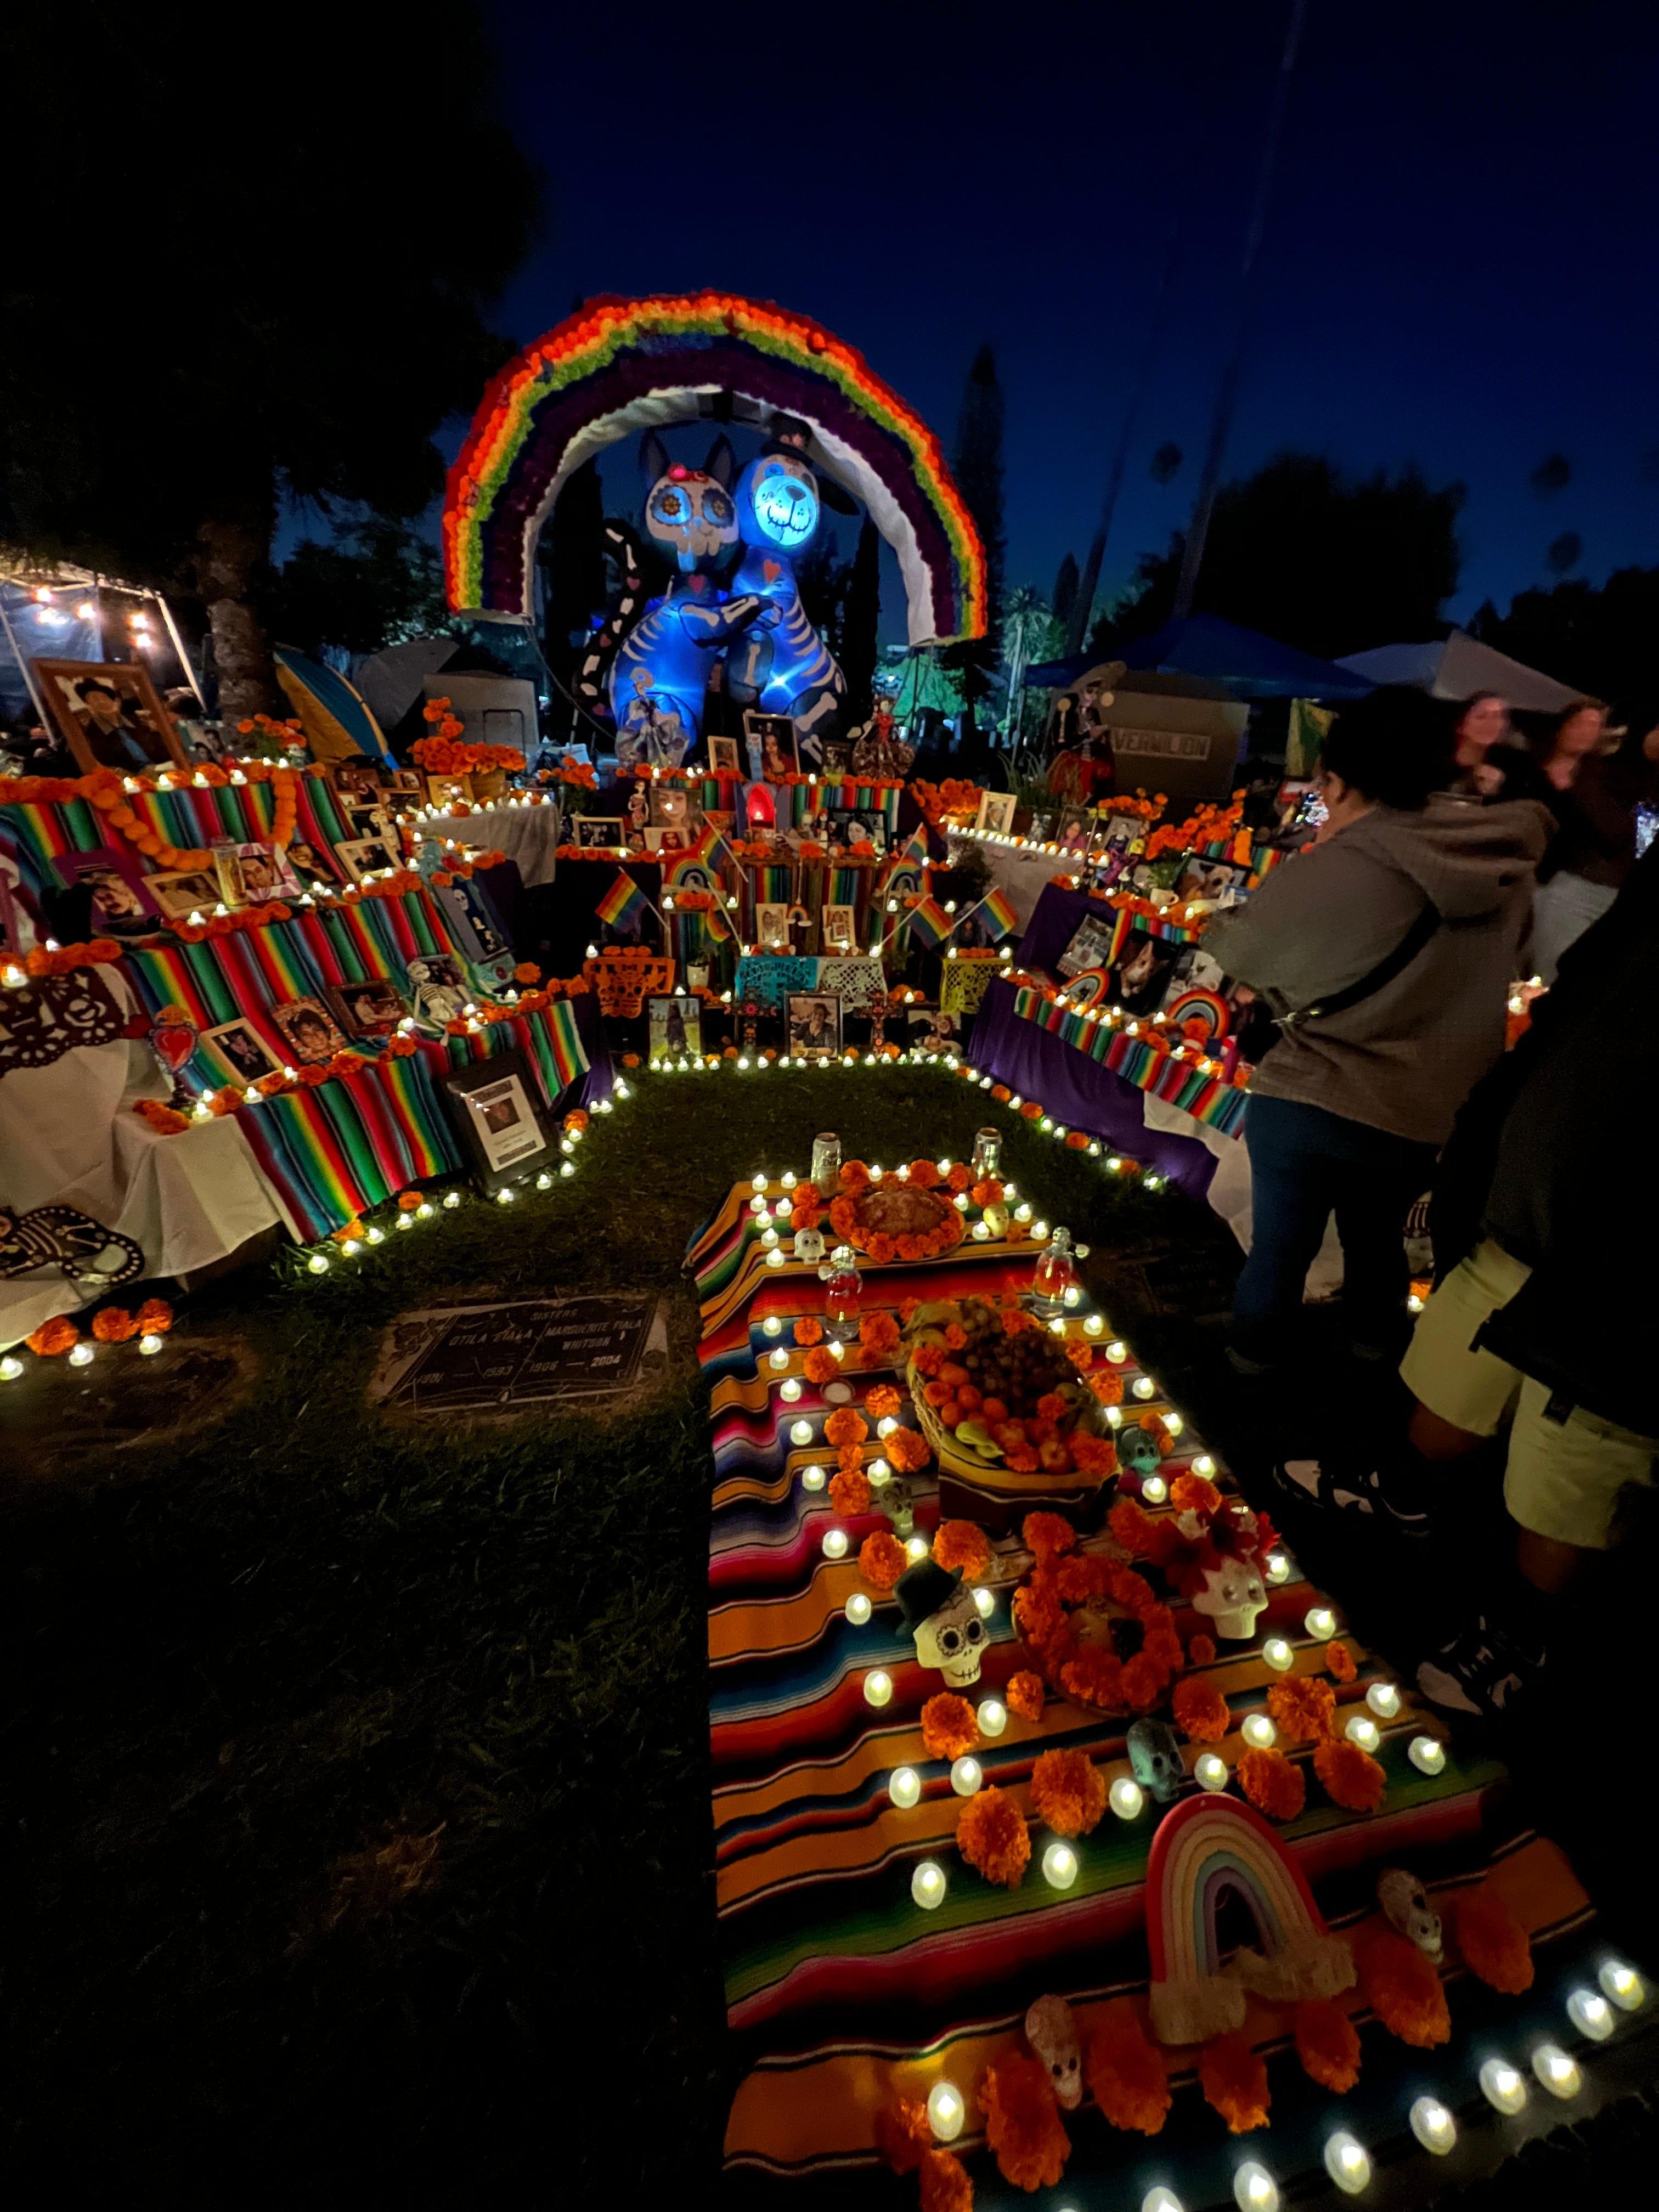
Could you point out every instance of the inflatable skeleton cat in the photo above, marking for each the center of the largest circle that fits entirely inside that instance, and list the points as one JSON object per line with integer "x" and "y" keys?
{"x": 783, "y": 667}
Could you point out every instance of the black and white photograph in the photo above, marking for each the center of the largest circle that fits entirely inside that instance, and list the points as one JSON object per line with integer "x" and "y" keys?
{"x": 242, "y": 1051}
{"x": 723, "y": 757}
{"x": 122, "y": 905}
{"x": 601, "y": 830}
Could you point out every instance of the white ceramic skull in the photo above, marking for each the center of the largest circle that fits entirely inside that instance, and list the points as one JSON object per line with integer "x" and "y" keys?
{"x": 996, "y": 1218}
{"x": 1155, "y": 1755}
{"x": 1406, "y": 1906}
{"x": 1052, "y": 2033}
{"x": 952, "y": 1639}
{"x": 1233, "y": 1595}
{"x": 809, "y": 1245}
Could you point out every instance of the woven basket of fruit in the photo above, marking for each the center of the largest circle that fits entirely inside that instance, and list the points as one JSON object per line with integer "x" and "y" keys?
{"x": 1014, "y": 1425}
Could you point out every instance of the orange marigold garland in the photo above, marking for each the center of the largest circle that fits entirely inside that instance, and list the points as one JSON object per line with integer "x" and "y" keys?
{"x": 1402, "y": 1987}
{"x": 1068, "y": 1792}
{"x": 945, "y": 2186}
{"x": 1327, "y": 2043}
{"x": 114, "y": 1325}
{"x": 949, "y": 1726}
{"x": 882, "y": 1559}
{"x": 849, "y": 1493}
{"x": 991, "y": 1836}
{"x": 1047, "y": 1535}
{"x": 1349, "y": 1777}
{"x": 1234, "y": 2080}
{"x": 1273, "y": 1784}
{"x": 1303, "y": 1708}
{"x": 1201, "y": 1711}
{"x": 963, "y": 1544}
{"x": 1022, "y": 2120}
{"x": 1129, "y": 2076}
{"x": 1024, "y": 1695}
{"x": 53, "y": 1337}
{"x": 1495, "y": 1945}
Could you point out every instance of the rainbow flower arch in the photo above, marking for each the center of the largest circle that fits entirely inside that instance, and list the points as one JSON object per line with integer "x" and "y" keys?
{"x": 619, "y": 366}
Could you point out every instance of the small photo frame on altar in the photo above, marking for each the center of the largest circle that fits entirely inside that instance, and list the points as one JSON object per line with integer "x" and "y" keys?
{"x": 676, "y": 1026}
{"x": 1144, "y": 973}
{"x": 473, "y": 928}
{"x": 254, "y": 875}
{"x": 122, "y": 905}
{"x": 772, "y": 929}
{"x": 667, "y": 841}
{"x": 309, "y": 1031}
{"x": 1090, "y": 945}
{"x": 365, "y": 856}
{"x": 1210, "y": 879}
{"x": 838, "y": 929}
{"x": 366, "y": 1009}
{"x": 931, "y": 1029}
{"x": 110, "y": 715}
{"x": 774, "y": 735}
{"x": 814, "y": 1029}
{"x": 1124, "y": 829}
{"x": 407, "y": 785}
{"x": 723, "y": 757}
{"x": 672, "y": 808}
{"x": 242, "y": 1052}
{"x": 835, "y": 755}
{"x": 356, "y": 781}
{"x": 180, "y": 892}
{"x": 312, "y": 864}
{"x": 996, "y": 813}
{"x": 494, "y": 1107}
{"x": 1076, "y": 829}
{"x": 606, "y": 831}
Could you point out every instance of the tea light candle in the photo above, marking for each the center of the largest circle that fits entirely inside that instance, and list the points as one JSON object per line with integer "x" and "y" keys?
{"x": 1124, "y": 1797}
{"x": 789, "y": 1389}
{"x": 1383, "y": 1699}
{"x": 1363, "y": 1731}
{"x": 780, "y": 1360}
{"x": 994, "y": 1717}
{"x": 1093, "y": 1326}
{"x": 1279, "y": 1568}
{"x": 1321, "y": 1622}
{"x": 947, "y": 2110}
{"x": 904, "y": 1787}
{"x": 1114, "y": 1416}
{"x": 1259, "y": 1732}
{"x": 927, "y": 1885}
{"x": 11, "y": 1368}
{"x": 916, "y": 1547}
{"x": 1154, "y": 1489}
{"x": 777, "y": 1257}
{"x": 1279, "y": 1655}
{"x": 1174, "y": 1424}
{"x": 858, "y": 1608}
{"x": 835, "y": 1541}
{"x": 782, "y": 1210}
{"x": 1427, "y": 1754}
{"x": 1204, "y": 1465}
{"x": 1347, "y": 2162}
{"x": 878, "y": 1473}
{"x": 788, "y": 1179}
{"x": 878, "y": 1687}
{"x": 1255, "y": 2189}
{"x": 1211, "y": 1770}
{"x": 886, "y": 1424}
{"x": 1117, "y": 1353}
{"x": 772, "y": 1326}
{"x": 965, "y": 1776}
{"x": 1501, "y": 2086}
{"x": 1433, "y": 2126}
{"x": 1589, "y": 2013}
{"x": 1623, "y": 1984}
{"x": 980, "y": 1234}
{"x": 757, "y": 1205}
{"x": 985, "y": 1601}
{"x": 1059, "y": 1866}
{"x": 758, "y": 1182}
{"x": 812, "y": 1478}
{"x": 1143, "y": 1386}
{"x": 81, "y": 1355}
{"x": 1160, "y": 2199}
{"x": 1558, "y": 2073}
{"x": 800, "y": 1432}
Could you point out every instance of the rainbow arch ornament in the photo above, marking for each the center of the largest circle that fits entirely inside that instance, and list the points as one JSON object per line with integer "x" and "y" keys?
{"x": 1208, "y": 1848}
{"x": 619, "y": 366}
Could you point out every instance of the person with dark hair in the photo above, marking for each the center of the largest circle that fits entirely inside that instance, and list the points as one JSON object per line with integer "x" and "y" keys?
{"x": 113, "y": 738}
{"x": 1482, "y": 722}
{"x": 1595, "y": 784}
{"x": 1384, "y": 953}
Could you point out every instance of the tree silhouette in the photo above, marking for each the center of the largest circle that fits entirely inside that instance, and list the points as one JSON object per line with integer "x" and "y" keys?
{"x": 571, "y": 559}
{"x": 378, "y": 583}
{"x": 1599, "y": 640}
{"x": 1065, "y": 587}
{"x": 1565, "y": 552}
{"x": 1165, "y": 463}
{"x": 861, "y": 622}
{"x": 1312, "y": 558}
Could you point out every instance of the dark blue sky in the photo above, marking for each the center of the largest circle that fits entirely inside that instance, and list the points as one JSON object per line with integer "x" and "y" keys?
{"x": 1459, "y": 268}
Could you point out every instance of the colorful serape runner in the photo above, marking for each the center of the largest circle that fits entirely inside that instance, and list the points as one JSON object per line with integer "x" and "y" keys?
{"x": 1142, "y": 1060}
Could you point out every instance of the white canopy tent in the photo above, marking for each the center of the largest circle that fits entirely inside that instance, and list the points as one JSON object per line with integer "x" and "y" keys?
{"x": 1457, "y": 667}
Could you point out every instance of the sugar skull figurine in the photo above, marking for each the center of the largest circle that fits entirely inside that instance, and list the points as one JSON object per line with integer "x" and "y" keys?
{"x": 809, "y": 1245}
{"x": 1052, "y": 2033}
{"x": 1406, "y": 1906}
{"x": 1155, "y": 1755}
{"x": 1233, "y": 1595}
{"x": 943, "y": 1619}
{"x": 897, "y": 1500}
{"x": 1138, "y": 1451}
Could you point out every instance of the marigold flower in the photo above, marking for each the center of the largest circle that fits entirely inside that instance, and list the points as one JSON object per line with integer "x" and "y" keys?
{"x": 1234, "y": 2079}
{"x": 906, "y": 1450}
{"x": 991, "y": 1836}
{"x": 1047, "y": 1536}
{"x": 902, "y": 2133}
{"x": 1327, "y": 2043}
{"x": 963, "y": 1544}
{"x": 1495, "y": 1945}
{"x": 950, "y": 1726}
{"x": 849, "y": 1493}
{"x": 1022, "y": 2118}
{"x": 1303, "y": 1708}
{"x": 1201, "y": 1711}
{"x": 1195, "y": 1493}
{"x": 1068, "y": 1792}
{"x": 878, "y": 1334}
{"x": 845, "y": 1426}
{"x": 1350, "y": 1777}
{"x": 882, "y": 1401}
{"x": 114, "y": 1325}
{"x": 882, "y": 1559}
{"x": 1273, "y": 1785}
{"x": 1129, "y": 2076}
{"x": 820, "y": 1364}
{"x": 945, "y": 2186}
{"x": 1339, "y": 1660}
{"x": 808, "y": 1331}
{"x": 1402, "y": 1987}
{"x": 1094, "y": 1677}
{"x": 1201, "y": 1651}
{"x": 53, "y": 1337}
{"x": 1024, "y": 1695}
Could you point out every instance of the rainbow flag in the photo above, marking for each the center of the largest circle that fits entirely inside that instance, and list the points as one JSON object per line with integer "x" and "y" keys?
{"x": 625, "y": 903}
{"x": 999, "y": 912}
{"x": 930, "y": 925}
{"x": 915, "y": 846}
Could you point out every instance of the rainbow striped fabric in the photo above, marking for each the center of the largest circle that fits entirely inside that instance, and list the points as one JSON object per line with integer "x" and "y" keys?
{"x": 1149, "y": 1065}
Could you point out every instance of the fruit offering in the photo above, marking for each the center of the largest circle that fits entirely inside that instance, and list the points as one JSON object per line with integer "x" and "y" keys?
{"x": 1006, "y": 1390}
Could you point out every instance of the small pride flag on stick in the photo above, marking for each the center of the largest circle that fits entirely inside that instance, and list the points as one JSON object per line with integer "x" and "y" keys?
{"x": 999, "y": 912}
{"x": 625, "y": 903}
{"x": 930, "y": 925}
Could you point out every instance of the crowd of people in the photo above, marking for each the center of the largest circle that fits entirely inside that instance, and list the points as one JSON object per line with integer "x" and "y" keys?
{"x": 1456, "y": 859}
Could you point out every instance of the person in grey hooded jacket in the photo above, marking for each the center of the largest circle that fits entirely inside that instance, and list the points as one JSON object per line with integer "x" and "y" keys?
{"x": 1385, "y": 952}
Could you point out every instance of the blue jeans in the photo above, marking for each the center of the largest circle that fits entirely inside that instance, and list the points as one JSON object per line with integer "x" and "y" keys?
{"x": 1306, "y": 1163}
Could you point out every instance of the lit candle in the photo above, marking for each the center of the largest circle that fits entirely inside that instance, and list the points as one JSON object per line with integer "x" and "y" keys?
{"x": 1174, "y": 1424}
{"x": 878, "y": 1687}
{"x": 1558, "y": 2073}
{"x": 994, "y": 1718}
{"x": 1279, "y": 1567}
{"x": 10, "y": 1368}
{"x": 1623, "y": 1984}
{"x": 1160, "y": 2199}
{"x": 1346, "y": 2162}
{"x": 1588, "y": 2009}
{"x": 1114, "y": 1416}
{"x": 1360, "y": 1728}
{"x": 965, "y": 1776}
{"x": 1259, "y": 1732}
{"x": 985, "y": 1601}
{"x": 1093, "y": 1326}
{"x": 947, "y": 2110}
{"x": 835, "y": 1541}
{"x": 800, "y": 1432}
{"x": 812, "y": 1478}
{"x": 1279, "y": 1655}
{"x": 1124, "y": 1797}
{"x": 1255, "y": 2189}
{"x": 779, "y": 1359}
{"x": 1433, "y": 2126}
{"x": 886, "y": 1424}
{"x": 1427, "y": 1753}
{"x": 1383, "y": 1699}
{"x": 904, "y": 1787}
{"x": 757, "y": 1205}
{"x": 788, "y": 1178}
{"x": 858, "y": 1608}
{"x": 916, "y": 1548}
{"x": 1059, "y": 1866}
{"x": 773, "y": 1259}
{"x": 1154, "y": 1489}
{"x": 927, "y": 1885}
{"x": 1501, "y": 2086}
{"x": 1143, "y": 1386}
{"x": 317, "y": 1264}
{"x": 1117, "y": 1353}
{"x": 759, "y": 1183}
{"x": 1204, "y": 1465}
{"x": 81, "y": 1356}
{"x": 1211, "y": 1770}
{"x": 772, "y": 1326}
{"x": 150, "y": 1344}
{"x": 1320, "y": 1622}
{"x": 880, "y": 1474}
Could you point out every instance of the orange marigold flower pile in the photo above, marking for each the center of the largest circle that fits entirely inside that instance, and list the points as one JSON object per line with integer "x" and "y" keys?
{"x": 1024, "y": 1695}
{"x": 53, "y": 1337}
{"x": 882, "y": 1559}
{"x": 1234, "y": 2080}
{"x": 114, "y": 1325}
{"x": 1339, "y": 1660}
{"x": 1349, "y": 1777}
{"x": 1402, "y": 1988}
{"x": 849, "y": 1493}
{"x": 882, "y": 1401}
{"x": 808, "y": 1331}
{"x": 154, "y": 1317}
{"x": 1303, "y": 1708}
{"x": 1068, "y": 1792}
{"x": 1274, "y": 1784}
{"x": 949, "y": 1726}
{"x": 1129, "y": 2077}
{"x": 991, "y": 1836}
{"x": 903, "y": 2134}
{"x": 844, "y": 1426}
{"x": 878, "y": 1334}
{"x": 1327, "y": 2043}
{"x": 820, "y": 1364}
{"x": 963, "y": 1544}
{"x": 1495, "y": 1945}
{"x": 945, "y": 2186}
{"x": 1047, "y": 1534}
{"x": 906, "y": 1450}
{"x": 1200, "y": 1711}
{"x": 1022, "y": 2121}
{"x": 1195, "y": 1493}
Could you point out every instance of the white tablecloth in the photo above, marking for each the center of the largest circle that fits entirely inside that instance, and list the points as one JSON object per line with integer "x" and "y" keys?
{"x": 1017, "y": 871}
{"x": 528, "y": 835}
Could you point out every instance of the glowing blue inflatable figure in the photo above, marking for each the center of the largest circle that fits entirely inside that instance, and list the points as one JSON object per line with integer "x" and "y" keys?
{"x": 660, "y": 675}
{"x": 783, "y": 667}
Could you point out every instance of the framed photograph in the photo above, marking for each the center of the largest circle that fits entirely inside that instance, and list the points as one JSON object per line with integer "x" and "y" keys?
{"x": 407, "y": 785}
{"x": 437, "y": 989}
{"x": 1076, "y": 832}
{"x": 836, "y": 755}
{"x": 846, "y": 827}
{"x": 180, "y": 892}
{"x": 723, "y": 757}
{"x": 676, "y": 1026}
{"x": 364, "y": 856}
{"x": 242, "y": 1052}
{"x": 1124, "y": 829}
{"x": 814, "y": 1031}
{"x": 357, "y": 782}
{"x": 668, "y": 841}
{"x": 930, "y": 1030}
{"x": 1144, "y": 972}
{"x": 775, "y": 735}
{"x": 110, "y": 715}
{"x": 495, "y": 1109}
{"x": 772, "y": 929}
{"x": 672, "y": 808}
{"x": 601, "y": 829}
{"x": 1090, "y": 945}
{"x": 471, "y": 923}
{"x": 122, "y": 905}
{"x": 366, "y": 1009}
{"x": 1209, "y": 879}
{"x": 996, "y": 812}
{"x": 375, "y": 821}
{"x": 838, "y": 929}
{"x": 254, "y": 875}
{"x": 312, "y": 864}
{"x": 309, "y": 1031}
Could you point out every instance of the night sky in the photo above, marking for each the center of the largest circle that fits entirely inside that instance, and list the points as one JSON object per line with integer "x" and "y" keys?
{"x": 1458, "y": 270}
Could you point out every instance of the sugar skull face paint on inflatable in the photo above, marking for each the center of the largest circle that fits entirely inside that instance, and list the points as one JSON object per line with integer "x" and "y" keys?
{"x": 780, "y": 497}
{"x": 690, "y": 515}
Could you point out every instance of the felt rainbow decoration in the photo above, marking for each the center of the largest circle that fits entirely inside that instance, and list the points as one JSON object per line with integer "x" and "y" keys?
{"x": 1206, "y": 1849}
{"x": 1207, "y": 1007}
{"x": 1086, "y": 989}
{"x": 617, "y": 366}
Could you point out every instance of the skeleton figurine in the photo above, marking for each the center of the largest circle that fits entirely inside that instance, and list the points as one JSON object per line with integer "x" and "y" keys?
{"x": 897, "y": 1500}
{"x": 1052, "y": 2033}
{"x": 1406, "y": 1906}
{"x": 944, "y": 1620}
{"x": 809, "y": 1245}
{"x": 1155, "y": 1755}
{"x": 1136, "y": 1450}
{"x": 1233, "y": 1595}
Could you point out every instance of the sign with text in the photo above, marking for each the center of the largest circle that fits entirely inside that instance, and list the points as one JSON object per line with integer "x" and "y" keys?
{"x": 474, "y": 1359}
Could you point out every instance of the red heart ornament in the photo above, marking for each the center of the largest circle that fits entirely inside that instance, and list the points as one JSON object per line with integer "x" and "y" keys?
{"x": 771, "y": 571}
{"x": 173, "y": 1043}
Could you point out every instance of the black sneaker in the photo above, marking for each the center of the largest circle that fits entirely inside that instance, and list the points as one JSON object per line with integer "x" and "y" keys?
{"x": 1483, "y": 1673}
{"x": 1360, "y": 1491}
